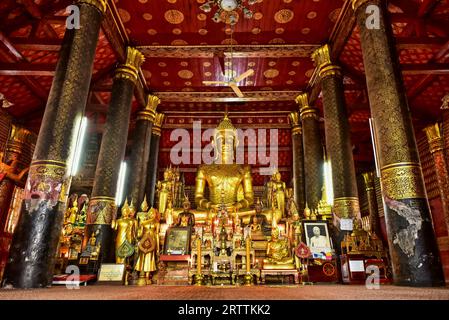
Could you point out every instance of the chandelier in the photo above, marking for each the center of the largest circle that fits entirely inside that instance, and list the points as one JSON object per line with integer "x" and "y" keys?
{"x": 226, "y": 10}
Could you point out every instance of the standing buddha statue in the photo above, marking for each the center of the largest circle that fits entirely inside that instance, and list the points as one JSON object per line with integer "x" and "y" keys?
{"x": 165, "y": 190}
{"x": 224, "y": 177}
{"x": 73, "y": 211}
{"x": 148, "y": 246}
{"x": 126, "y": 228}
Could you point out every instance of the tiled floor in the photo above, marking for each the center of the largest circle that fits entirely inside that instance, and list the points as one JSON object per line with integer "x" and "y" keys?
{"x": 153, "y": 292}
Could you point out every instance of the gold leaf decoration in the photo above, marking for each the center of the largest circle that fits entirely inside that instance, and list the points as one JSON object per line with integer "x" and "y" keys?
{"x": 174, "y": 16}
{"x": 185, "y": 74}
{"x": 284, "y": 16}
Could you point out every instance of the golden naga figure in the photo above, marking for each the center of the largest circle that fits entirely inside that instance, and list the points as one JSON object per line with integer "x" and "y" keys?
{"x": 148, "y": 246}
{"x": 228, "y": 183}
{"x": 126, "y": 228}
{"x": 278, "y": 253}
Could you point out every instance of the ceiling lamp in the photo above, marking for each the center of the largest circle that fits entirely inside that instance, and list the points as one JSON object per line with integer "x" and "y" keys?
{"x": 226, "y": 9}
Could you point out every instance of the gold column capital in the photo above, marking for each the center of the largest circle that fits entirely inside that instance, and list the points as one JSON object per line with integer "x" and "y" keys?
{"x": 305, "y": 110}
{"x": 157, "y": 126}
{"x": 347, "y": 207}
{"x": 403, "y": 180}
{"x": 357, "y": 3}
{"x": 99, "y": 4}
{"x": 323, "y": 61}
{"x": 295, "y": 122}
{"x": 149, "y": 112}
{"x": 18, "y": 137}
{"x": 130, "y": 69}
{"x": 434, "y": 138}
{"x": 368, "y": 177}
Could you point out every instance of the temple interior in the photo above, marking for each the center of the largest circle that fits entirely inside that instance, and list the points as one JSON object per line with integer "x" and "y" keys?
{"x": 238, "y": 143}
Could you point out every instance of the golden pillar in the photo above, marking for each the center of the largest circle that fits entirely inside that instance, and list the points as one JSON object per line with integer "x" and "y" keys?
{"x": 33, "y": 249}
{"x": 154, "y": 156}
{"x": 436, "y": 146}
{"x": 298, "y": 161}
{"x": 102, "y": 207}
{"x": 313, "y": 151}
{"x": 413, "y": 248}
{"x": 368, "y": 178}
{"x": 338, "y": 136}
{"x": 140, "y": 153}
{"x": 445, "y": 127}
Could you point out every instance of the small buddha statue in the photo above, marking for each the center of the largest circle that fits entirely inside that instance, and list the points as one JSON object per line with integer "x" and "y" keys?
{"x": 259, "y": 221}
{"x": 143, "y": 209}
{"x": 165, "y": 189}
{"x": 73, "y": 211}
{"x": 278, "y": 193}
{"x": 186, "y": 218}
{"x": 126, "y": 228}
{"x": 292, "y": 207}
{"x": 278, "y": 253}
{"x": 307, "y": 212}
{"x": 169, "y": 212}
{"x": 81, "y": 220}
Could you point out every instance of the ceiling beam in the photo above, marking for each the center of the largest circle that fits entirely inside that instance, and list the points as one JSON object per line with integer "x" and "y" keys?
{"x": 422, "y": 84}
{"x": 12, "y": 56}
{"x": 426, "y": 68}
{"x": 250, "y": 96}
{"x": 32, "y": 8}
{"x": 26, "y": 69}
{"x": 239, "y": 51}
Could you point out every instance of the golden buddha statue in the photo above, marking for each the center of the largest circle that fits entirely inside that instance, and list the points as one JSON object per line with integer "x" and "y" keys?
{"x": 276, "y": 194}
{"x": 143, "y": 210}
{"x": 126, "y": 228}
{"x": 278, "y": 253}
{"x": 186, "y": 218}
{"x": 228, "y": 183}
{"x": 148, "y": 246}
{"x": 73, "y": 211}
{"x": 165, "y": 190}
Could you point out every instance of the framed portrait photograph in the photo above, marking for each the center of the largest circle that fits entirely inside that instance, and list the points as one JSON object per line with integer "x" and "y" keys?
{"x": 177, "y": 241}
{"x": 317, "y": 237}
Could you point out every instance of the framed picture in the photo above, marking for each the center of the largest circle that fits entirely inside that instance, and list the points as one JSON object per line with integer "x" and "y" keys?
{"x": 177, "y": 241}
{"x": 317, "y": 238}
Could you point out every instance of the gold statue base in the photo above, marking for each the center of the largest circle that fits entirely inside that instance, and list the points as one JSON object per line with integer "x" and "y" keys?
{"x": 248, "y": 279}
{"x": 199, "y": 280}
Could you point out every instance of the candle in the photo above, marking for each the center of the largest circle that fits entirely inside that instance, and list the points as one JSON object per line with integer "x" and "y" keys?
{"x": 248, "y": 263}
{"x": 198, "y": 263}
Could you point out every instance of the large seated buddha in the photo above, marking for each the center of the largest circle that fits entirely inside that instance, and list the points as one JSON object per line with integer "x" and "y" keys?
{"x": 228, "y": 183}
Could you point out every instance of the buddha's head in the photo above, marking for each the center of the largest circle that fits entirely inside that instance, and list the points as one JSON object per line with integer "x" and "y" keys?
{"x": 225, "y": 141}
{"x": 186, "y": 204}
{"x": 275, "y": 233}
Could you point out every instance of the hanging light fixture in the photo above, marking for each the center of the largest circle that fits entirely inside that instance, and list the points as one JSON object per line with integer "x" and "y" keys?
{"x": 3, "y": 102}
{"x": 226, "y": 9}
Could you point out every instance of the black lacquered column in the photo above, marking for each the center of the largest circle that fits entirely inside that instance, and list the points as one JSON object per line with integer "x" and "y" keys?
{"x": 338, "y": 139}
{"x": 313, "y": 151}
{"x": 140, "y": 153}
{"x": 411, "y": 238}
{"x": 102, "y": 208}
{"x": 33, "y": 249}
{"x": 298, "y": 162}
{"x": 154, "y": 156}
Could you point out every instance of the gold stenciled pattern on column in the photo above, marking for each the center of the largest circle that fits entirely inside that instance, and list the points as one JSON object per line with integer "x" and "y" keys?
{"x": 294, "y": 119}
{"x": 322, "y": 58}
{"x": 130, "y": 69}
{"x": 102, "y": 210}
{"x": 305, "y": 110}
{"x": 149, "y": 113}
{"x": 99, "y": 4}
{"x": 434, "y": 138}
{"x": 403, "y": 181}
{"x": 346, "y": 207}
{"x": 157, "y": 126}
